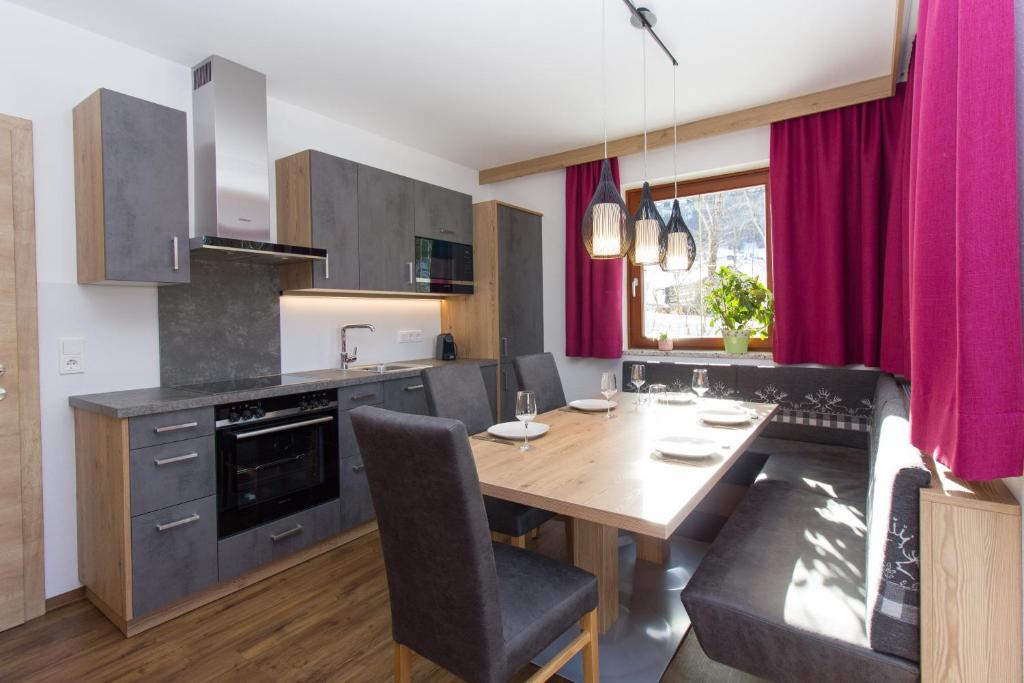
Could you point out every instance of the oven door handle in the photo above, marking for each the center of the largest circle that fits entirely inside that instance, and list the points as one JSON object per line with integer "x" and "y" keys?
{"x": 281, "y": 428}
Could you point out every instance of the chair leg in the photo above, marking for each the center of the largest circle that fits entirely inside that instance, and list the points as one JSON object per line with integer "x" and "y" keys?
{"x": 591, "y": 672}
{"x": 567, "y": 521}
{"x": 518, "y": 541}
{"x": 403, "y": 664}
{"x": 535, "y": 534}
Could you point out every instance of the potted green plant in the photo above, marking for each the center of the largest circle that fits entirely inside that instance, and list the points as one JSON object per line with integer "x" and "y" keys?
{"x": 664, "y": 343}
{"x": 739, "y": 305}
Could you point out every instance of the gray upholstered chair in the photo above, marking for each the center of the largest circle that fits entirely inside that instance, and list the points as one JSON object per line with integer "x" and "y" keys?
{"x": 457, "y": 391}
{"x": 482, "y": 610}
{"x": 539, "y": 374}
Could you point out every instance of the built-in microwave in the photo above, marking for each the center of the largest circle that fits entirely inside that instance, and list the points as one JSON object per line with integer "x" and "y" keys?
{"x": 443, "y": 267}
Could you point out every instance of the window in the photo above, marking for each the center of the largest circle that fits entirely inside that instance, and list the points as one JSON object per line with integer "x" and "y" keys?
{"x": 728, "y": 216}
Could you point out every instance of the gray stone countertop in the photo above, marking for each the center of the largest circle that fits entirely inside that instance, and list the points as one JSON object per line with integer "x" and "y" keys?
{"x": 135, "y": 402}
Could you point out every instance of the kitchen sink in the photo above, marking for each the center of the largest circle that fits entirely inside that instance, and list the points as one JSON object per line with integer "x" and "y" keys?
{"x": 384, "y": 368}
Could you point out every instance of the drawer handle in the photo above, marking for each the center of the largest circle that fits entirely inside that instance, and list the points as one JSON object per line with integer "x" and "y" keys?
{"x": 174, "y": 428}
{"x": 160, "y": 462}
{"x": 297, "y": 529}
{"x": 414, "y": 387}
{"x": 194, "y": 517}
{"x": 358, "y": 468}
{"x": 363, "y": 397}
{"x": 447, "y": 231}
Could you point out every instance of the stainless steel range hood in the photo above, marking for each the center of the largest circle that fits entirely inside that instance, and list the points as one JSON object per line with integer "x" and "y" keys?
{"x": 232, "y": 175}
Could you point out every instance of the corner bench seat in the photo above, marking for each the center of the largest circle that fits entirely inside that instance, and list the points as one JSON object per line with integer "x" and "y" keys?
{"x": 783, "y": 593}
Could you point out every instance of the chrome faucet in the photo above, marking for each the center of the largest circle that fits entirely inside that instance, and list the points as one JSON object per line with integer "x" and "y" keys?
{"x": 346, "y": 357}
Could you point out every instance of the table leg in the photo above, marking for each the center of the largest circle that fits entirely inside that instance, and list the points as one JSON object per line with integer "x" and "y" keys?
{"x": 651, "y": 549}
{"x": 596, "y": 550}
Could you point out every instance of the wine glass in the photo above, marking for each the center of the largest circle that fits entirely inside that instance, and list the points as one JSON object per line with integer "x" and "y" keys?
{"x": 609, "y": 385}
{"x": 526, "y": 410}
{"x": 637, "y": 375}
{"x": 656, "y": 394}
{"x": 700, "y": 382}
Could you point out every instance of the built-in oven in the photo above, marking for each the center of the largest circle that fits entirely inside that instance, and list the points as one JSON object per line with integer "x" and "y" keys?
{"x": 443, "y": 267}
{"x": 275, "y": 456}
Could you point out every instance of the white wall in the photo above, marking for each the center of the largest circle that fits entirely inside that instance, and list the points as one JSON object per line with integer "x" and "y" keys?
{"x": 50, "y": 66}
{"x": 546, "y": 193}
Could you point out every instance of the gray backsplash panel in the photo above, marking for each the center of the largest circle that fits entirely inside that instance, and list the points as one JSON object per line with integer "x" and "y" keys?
{"x": 225, "y": 324}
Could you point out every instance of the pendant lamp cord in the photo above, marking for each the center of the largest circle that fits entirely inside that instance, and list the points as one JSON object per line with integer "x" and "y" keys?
{"x": 604, "y": 78}
{"x": 675, "y": 140}
{"x": 643, "y": 50}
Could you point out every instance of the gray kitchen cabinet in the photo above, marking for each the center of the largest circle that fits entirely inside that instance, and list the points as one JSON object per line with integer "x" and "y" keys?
{"x": 172, "y": 473}
{"x": 443, "y": 214}
{"x": 131, "y": 191}
{"x": 386, "y": 237}
{"x": 356, "y": 504}
{"x": 174, "y": 554}
{"x": 490, "y": 373}
{"x": 406, "y": 396}
{"x": 150, "y": 430}
{"x": 317, "y": 206}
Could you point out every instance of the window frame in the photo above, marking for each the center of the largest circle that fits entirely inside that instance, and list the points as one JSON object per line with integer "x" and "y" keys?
{"x": 718, "y": 183}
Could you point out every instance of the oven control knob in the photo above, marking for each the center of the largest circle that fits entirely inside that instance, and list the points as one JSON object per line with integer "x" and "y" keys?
{"x": 303, "y": 405}
{"x": 233, "y": 416}
{"x": 324, "y": 402}
{"x": 246, "y": 414}
{"x": 260, "y": 412}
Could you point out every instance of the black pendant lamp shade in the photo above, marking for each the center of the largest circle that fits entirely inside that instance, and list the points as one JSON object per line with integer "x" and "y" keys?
{"x": 607, "y": 232}
{"x": 678, "y": 248}
{"x": 648, "y": 228}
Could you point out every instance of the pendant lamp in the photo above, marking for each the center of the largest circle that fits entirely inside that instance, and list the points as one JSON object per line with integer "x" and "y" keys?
{"x": 607, "y": 233}
{"x": 648, "y": 225}
{"x": 678, "y": 248}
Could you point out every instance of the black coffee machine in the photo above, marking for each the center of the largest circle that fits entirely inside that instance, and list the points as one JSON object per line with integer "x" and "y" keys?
{"x": 445, "y": 347}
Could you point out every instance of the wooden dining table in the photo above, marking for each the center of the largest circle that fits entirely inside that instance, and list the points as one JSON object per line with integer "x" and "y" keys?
{"x": 605, "y": 475}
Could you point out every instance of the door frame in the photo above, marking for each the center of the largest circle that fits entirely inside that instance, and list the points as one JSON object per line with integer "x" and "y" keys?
{"x": 26, "y": 306}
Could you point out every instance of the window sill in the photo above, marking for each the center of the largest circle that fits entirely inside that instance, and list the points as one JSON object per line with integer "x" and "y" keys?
{"x": 701, "y": 355}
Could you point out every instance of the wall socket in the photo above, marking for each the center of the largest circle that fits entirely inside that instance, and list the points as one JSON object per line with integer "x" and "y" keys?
{"x": 410, "y": 336}
{"x": 72, "y": 355}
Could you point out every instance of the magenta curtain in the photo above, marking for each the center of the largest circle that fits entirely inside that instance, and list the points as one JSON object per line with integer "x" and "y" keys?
{"x": 593, "y": 289}
{"x": 837, "y": 235}
{"x": 967, "y": 403}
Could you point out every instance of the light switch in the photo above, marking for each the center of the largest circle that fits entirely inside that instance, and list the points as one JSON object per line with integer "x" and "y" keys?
{"x": 72, "y": 355}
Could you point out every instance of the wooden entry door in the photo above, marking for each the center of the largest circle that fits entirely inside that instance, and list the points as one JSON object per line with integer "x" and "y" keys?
{"x": 21, "y": 552}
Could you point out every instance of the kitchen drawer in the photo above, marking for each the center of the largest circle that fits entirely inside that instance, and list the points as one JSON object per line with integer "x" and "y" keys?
{"x": 248, "y": 550}
{"x": 360, "y": 395}
{"x": 174, "y": 554}
{"x": 406, "y": 396}
{"x": 171, "y": 473}
{"x": 150, "y": 430}
{"x": 356, "y": 504}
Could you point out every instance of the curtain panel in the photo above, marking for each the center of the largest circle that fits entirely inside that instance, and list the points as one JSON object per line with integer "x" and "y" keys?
{"x": 593, "y": 288}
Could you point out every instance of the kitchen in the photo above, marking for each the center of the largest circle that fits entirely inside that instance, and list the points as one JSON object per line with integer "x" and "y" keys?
{"x": 237, "y": 251}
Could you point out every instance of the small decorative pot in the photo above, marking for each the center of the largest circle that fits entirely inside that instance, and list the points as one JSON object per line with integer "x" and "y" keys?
{"x": 736, "y": 341}
{"x": 664, "y": 344}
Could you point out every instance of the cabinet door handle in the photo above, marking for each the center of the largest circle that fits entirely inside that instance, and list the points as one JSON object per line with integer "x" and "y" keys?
{"x": 411, "y": 279}
{"x": 159, "y": 462}
{"x": 358, "y": 468}
{"x": 194, "y": 517}
{"x": 297, "y": 529}
{"x": 174, "y": 247}
{"x": 504, "y": 346}
{"x": 414, "y": 387}
{"x": 327, "y": 266}
{"x": 174, "y": 428}
{"x": 363, "y": 397}
{"x": 447, "y": 231}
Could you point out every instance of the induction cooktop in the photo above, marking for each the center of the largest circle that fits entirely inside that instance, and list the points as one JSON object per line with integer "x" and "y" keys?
{"x": 227, "y": 386}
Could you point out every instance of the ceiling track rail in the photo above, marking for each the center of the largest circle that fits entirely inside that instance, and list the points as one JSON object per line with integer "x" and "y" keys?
{"x": 640, "y": 21}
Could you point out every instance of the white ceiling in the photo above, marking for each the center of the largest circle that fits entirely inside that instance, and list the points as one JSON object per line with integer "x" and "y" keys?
{"x": 488, "y": 82}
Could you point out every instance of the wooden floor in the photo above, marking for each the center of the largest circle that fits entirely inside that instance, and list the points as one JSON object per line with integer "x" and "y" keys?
{"x": 324, "y": 620}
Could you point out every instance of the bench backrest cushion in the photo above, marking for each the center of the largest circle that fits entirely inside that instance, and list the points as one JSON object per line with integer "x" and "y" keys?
{"x": 893, "y": 571}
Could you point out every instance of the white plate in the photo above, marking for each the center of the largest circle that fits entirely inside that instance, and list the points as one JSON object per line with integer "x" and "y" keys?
{"x": 685, "y": 447}
{"x": 516, "y": 431}
{"x": 678, "y": 397}
{"x": 592, "y": 405}
{"x": 724, "y": 416}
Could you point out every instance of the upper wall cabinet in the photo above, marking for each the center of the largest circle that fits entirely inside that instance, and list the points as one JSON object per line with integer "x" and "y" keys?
{"x": 131, "y": 191}
{"x": 386, "y": 238}
{"x": 443, "y": 214}
{"x": 317, "y": 206}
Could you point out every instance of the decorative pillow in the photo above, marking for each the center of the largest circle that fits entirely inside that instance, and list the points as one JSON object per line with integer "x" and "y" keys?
{"x": 898, "y": 472}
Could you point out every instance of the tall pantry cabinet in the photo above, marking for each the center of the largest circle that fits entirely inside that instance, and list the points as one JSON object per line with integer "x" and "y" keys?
{"x": 504, "y": 318}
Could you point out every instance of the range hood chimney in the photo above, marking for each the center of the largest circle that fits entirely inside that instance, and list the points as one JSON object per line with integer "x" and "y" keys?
{"x": 232, "y": 174}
